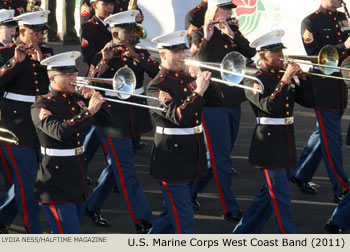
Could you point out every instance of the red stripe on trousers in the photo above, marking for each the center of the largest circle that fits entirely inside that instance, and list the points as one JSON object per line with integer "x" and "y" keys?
{"x": 121, "y": 175}
{"x": 177, "y": 219}
{"x": 7, "y": 169}
{"x": 57, "y": 219}
{"x": 330, "y": 160}
{"x": 274, "y": 201}
{"x": 213, "y": 164}
{"x": 105, "y": 148}
{"x": 23, "y": 197}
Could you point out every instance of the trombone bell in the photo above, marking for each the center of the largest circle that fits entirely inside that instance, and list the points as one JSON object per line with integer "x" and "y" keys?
{"x": 235, "y": 63}
{"x": 327, "y": 59}
{"x": 124, "y": 80}
{"x": 328, "y": 56}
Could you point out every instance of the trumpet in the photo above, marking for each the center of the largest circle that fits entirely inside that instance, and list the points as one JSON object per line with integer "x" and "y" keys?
{"x": 32, "y": 5}
{"x": 232, "y": 69}
{"x": 123, "y": 83}
{"x": 8, "y": 137}
{"x": 140, "y": 30}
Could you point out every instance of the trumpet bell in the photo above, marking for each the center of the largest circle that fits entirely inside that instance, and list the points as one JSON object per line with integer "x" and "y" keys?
{"x": 328, "y": 56}
{"x": 124, "y": 80}
{"x": 236, "y": 63}
{"x": 141, "y": 31}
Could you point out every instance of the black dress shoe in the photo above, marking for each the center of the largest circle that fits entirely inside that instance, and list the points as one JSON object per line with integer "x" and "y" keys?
{"x": 234, "y": 172}
{"x": 89, "y": 180}
{"x": 331, "y": 228}
{"x": 195, "y": 202}
{"x": 305, "y": 187}
{"x": 3, "y": 229}
{"x": 143, "y": 228}
{"x": 140, "y": 146}
{"x": 233, "y": 216}
{"x": 97, "y": 218}
{"x": 338, "y": 197}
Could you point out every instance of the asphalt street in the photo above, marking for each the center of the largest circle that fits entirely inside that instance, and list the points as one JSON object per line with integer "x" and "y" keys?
{"x": 310, "y": 211}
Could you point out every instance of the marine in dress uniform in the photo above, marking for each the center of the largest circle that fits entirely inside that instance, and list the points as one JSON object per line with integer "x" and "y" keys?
{"x": 18, "y": 5}
{"x": 195, "y": 18}
{"x": 61, "y": 120}
{"x": 125, "y": 121}
{"x": 340, "y": 220}
{"x": 326, "y": 26}
{"x": 272, "y": 148}
{"x": 179, "y": 152}
{"x": 211, "y": 44}
{"x": 95, "y": 33}
{"x": 8, "y": 208}
{"x": 24, "y": 79}
{"x": 86, "y": 12}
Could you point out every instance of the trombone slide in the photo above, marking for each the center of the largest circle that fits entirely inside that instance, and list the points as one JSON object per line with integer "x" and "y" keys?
{"x": 83, "y": 83}
{"x": 199, "y": 64}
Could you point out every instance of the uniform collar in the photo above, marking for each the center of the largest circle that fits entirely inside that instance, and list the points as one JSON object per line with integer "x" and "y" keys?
{"x": 327, "y": 12}
{"x": 271, "y": 70}
{"x": 18, "y": 41}
{"x": 62, "y": 95}
{"x": 171, "y": 73}
{"x": 204, "y": 3}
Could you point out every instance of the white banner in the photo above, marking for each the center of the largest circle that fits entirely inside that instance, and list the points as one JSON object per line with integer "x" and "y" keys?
{"x": 189, "y": 242}
{"x": 256, "y": 17}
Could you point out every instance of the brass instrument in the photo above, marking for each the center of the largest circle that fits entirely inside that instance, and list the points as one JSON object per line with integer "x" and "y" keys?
{"x": 232, "y": 69}
{"x": 123, "y": 83}
{"x": 132, "y": 5}
{"x": 346, "y": 10}
{"x": 140, "y": 30}
{"x": 8, "y": 137}
{"x": 327, "y": 61}
{"x": 31, "y": 6}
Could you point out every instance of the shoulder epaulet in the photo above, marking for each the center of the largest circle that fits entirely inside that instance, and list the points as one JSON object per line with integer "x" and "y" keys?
{"x": 197, "y": 8}
{"x": 258, "y": 73}
{"x": 89, "y": 22}
{"x": 158, "y": 79}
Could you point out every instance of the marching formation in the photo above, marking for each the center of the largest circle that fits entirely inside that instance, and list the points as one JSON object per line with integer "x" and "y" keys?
{"x": 52, "y": 121}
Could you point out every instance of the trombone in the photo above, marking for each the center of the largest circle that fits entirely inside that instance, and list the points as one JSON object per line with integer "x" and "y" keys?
{"x": 123, "y": 83}
{"x": 232, "y": 69}
{"x": 327, "y": 61}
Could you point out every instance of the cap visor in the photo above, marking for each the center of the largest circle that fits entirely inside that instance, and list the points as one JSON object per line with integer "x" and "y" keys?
{"x": 40, "y": 27}
{"x": 126, "y": 25}
{"x": 227, "y": 6}
{"x": 9, "y": 23}
{"x": 65, "y": 69}
{"x": 273, "y": 47}
{"x": 176, "y": 47}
